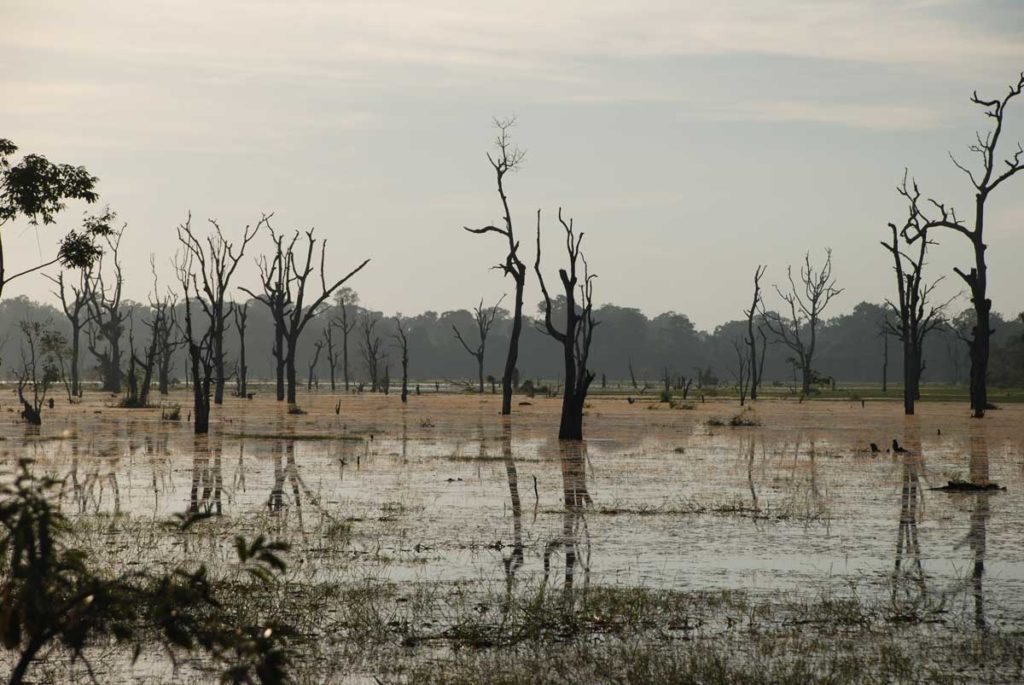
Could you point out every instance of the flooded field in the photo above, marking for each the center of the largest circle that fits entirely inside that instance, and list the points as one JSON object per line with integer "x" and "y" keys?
{"x": 699, "y": 543}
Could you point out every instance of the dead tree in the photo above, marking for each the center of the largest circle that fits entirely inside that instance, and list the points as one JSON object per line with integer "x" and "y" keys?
{"x": 741, "y": 373}
{"x": 38, "y": 371}
{"x": 751, "y": 341}
{"x": 484, "y": 319}
{"x": 241, "y": 314}
{"x": 991, "y": 175}
{"x": 370, "y": 348}
{"x": 346, "y": 323}
{"x": 300, "y": 268}
{"x": 806, "y": 303}
{"x": 106, "y": 316}
{"x": 76, "y": 309}
{"x": 199, "y": 343}
{"x": 216, "y": 260}
{"x": 168, "y": 340}
{"x": 579, "y": 328}
{"x": 318, "y": 347}
{"x": 402, "y": 341}
{"x": 277, "y": 298}
{"x": 916, "y": 315}
{"x": 332, "y": 352}
{"x": 508, "y": 158}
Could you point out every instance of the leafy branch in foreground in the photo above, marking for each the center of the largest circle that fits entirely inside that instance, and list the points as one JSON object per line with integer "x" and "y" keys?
{"x": 52, "y": 597}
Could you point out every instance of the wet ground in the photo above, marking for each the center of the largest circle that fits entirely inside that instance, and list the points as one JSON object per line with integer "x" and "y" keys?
{"x": 445, "y": 492}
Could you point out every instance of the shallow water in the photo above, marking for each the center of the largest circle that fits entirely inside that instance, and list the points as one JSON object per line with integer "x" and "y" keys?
{"x": 444, "y": 491}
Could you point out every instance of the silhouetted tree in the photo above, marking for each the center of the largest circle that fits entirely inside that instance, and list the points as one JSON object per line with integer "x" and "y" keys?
{"x": 38, "y": 190}
{"x": 370, "y": 348}
{"x": 38, "y": 369}
{"x": 508, "y": 158}
{"x": 241, "y": 314}
{"x": 199, "y": 342}
{"x": 217, "y": 261}
{"x": 277, "y": 298}
{"x": 402, "y": 341}
{"x": 806, "y": 303}
{"x": 484, "y": 319}
{"x": 915, "y": 314}
{"x": 332, "y": 352}
{"x": 106, "y": 315}
{"x": 756, "y": 364}
{"x": 318, "y": 347}
{"x": 300, "y": 268}
{"x": 741, "y": 372}
{"x": 579, "y": 328}
{"x": 990, "y": 177}
{"x": 76, "y": 309}
{"x": 346, "y": 300}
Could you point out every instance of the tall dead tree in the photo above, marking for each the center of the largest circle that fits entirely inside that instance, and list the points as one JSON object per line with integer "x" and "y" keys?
{"x": 751, "y": 341}
{"x": 241, "y": 314}
{"x": 216, "y": 260}
{"x": 346, "y": 300}
{"x": 508, "y": 158}
{"x": 106, "y": 315}
{"x": 38, "y": 371}
{"x": 742, "y": 372}
{"x": 199, "y": 341}
{"x": 402, "y": 341}
{"x": 579, "y": 328}
{"x": 332, "y": 351}
{"x": 76, "y": 309}
{"x": 300, "y": 268}
{"x": 277, "y": 298}
{"x": 993, "y": 173}
{"x": 168, "y": 340}
{"x": 484, "y": 319}
{"x": 806, "y": 303}
{"x": 915, "y": 314}
{"x": 370, "y": 348}
{"x": 318, "y": 347}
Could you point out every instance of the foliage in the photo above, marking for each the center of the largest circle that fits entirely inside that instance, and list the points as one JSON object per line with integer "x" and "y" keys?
{"x": 51, "y": 596}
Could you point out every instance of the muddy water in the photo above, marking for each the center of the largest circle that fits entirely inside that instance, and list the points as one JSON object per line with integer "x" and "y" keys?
{"x": 444, "y": 490}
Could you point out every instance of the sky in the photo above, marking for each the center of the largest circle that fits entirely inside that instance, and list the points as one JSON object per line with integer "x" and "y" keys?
{"x": 689, "y": 140}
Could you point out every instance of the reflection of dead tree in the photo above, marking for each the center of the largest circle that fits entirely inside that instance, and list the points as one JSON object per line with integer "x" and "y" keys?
{"x": 216, "y": 261}
{"x": 484, "y": 319}
{"x": 370, "y": 347}
{"x": 756, "y": 364}
{"x": 579, "y": 329}
{"x": 513, "y": 562}
{"x": 207, "y": 479}
{"x": 907, "y": 543}
{"x": 508, "y": 159}
{"x": 806, "y": 302}
{"x": 572, "y": 455}
{"x": 402, "y": 341}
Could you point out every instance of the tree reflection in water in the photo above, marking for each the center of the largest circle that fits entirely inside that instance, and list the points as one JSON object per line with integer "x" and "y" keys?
{"x": 207, "y": 478}
{"x": 514, "y": 561}
{"x": 574, "y": 524}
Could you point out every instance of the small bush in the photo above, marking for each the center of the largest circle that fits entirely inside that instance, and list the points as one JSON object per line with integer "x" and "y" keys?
{"x": 170, "y": 412}
{"x": 665, "y": 396}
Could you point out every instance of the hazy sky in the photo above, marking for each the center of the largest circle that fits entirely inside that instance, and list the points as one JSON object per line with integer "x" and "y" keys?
{"x": 690, "y": 140}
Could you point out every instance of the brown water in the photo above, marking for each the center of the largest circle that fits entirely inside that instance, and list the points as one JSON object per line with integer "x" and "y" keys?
{"x": 445, "y": 490}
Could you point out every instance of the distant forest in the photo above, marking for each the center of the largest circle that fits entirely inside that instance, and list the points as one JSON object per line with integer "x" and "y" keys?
{"x": 851, "y": 347}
